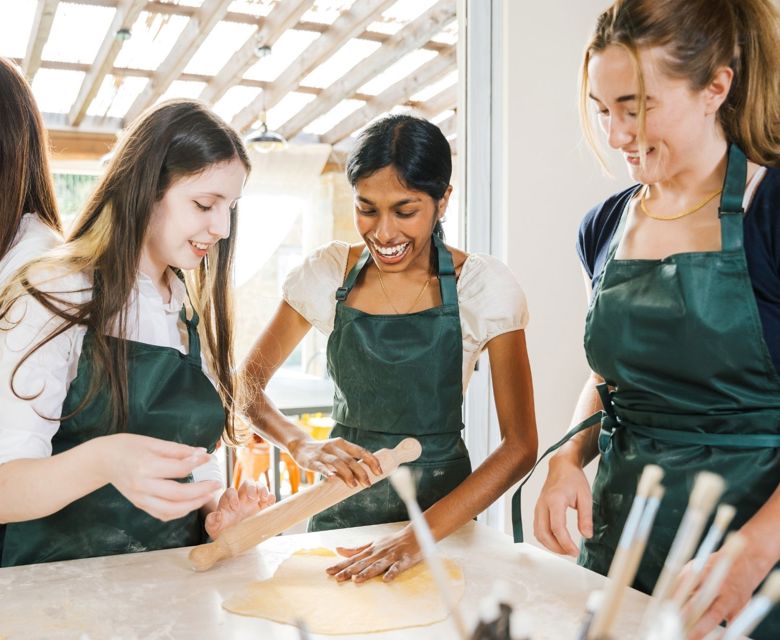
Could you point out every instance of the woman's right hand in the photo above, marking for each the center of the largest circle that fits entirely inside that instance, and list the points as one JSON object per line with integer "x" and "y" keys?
{"x": 141, "y": 468}
{"x": 335, "y": 456}
{"x": 566, "y": 488}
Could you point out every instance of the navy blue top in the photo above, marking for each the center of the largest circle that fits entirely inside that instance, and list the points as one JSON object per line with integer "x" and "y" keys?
{"x": 762, "y": 248}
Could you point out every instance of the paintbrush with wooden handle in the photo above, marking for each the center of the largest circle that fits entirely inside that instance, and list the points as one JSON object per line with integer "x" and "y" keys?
{"x": 250, "y": 532}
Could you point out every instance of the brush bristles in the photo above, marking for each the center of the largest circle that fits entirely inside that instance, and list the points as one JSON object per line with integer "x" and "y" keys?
{"x": 771, "y": 588}
{"x": 724, "y": 516}
{"x": 594, "y": 600}
{"x": 652, "y": 474}
{"x": 502, "y": 591}
{"x": 707, "y": 490}
{"x": 403, "y": 483}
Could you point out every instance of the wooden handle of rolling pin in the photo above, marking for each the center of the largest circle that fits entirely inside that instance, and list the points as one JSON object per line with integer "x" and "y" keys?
{"x": 277, "y": 518}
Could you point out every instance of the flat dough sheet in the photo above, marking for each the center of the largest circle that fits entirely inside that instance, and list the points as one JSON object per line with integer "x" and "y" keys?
{"x": 301, "y": 590}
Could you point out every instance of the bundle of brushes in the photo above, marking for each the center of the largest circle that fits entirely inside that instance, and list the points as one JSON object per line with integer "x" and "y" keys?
{"x": 497, "y": 619}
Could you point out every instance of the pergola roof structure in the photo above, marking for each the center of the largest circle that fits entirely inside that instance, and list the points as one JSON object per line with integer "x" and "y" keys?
{"x": 333, "y": 66}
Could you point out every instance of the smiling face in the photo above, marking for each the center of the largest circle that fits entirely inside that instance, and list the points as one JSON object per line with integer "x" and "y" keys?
{"x": 193, "y": 214}
{"x": 680, "y": 125}
{"x": 395, "y": 221}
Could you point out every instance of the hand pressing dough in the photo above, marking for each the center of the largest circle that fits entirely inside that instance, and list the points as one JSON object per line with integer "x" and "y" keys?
{"x": 301, "y": 590}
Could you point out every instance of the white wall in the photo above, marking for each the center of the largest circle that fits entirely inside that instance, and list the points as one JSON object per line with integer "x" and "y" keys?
{"x": 551, "y": 180}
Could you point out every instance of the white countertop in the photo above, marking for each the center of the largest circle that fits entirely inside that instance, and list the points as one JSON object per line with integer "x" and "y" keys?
{"x": 156, "y": 595}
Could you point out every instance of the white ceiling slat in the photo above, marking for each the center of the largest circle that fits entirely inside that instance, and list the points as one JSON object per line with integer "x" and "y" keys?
{"x": 411, "y": 37}
{"x": 349, "y": 25}
{"x": 196, "y": 31}
{"x": 449, "y": 127}
{"x": 284, "y": 16}
{"x": 127, "y": 13}
{"x": 447, "y": 99}
{"x": 396, "y": 94}
{"x": 39, "y": 34}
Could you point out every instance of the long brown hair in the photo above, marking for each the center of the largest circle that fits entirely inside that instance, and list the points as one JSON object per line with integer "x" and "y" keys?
{"x": 25, "y": 180}
{"x": 698, "y": 37}
{"x": 171, "y": 141}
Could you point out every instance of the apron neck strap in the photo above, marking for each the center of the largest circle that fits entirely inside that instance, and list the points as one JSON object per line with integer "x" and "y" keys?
{"x": 192, "y": 324}
{"x": 445, "y": 266}
{"x": 731, "y": 210}
{"x": 447, "y": 284}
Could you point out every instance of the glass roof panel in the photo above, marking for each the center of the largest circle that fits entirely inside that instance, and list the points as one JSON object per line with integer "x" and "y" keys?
{"x": 326, "y": 11}
{"x": 56, "y": 90}
{"x": 183, "y": 89}
{"x": 396, "y": 72}
{"x": 15, "y": 27}
{"x": 330, "y": 119}
{"x": 88, "y": 24}
{"x": 287, "y": 107}
{"x": 436, "y": 88}
{"x": 350, "y": 55}
{"x": 444, "y": 115}
{"x": 234, "y": 100}
{"x": 287, "y": 48}
{"x": 154, "y": 35}
{"x": 223, "y": 41}
{"x": 400, "y": 14}
{"x": 115, "y": 96}
{"x": 255, "y": 7}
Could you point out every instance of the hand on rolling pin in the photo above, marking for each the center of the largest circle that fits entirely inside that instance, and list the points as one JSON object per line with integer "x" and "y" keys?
{"x": 234, "y": 506}
{"x": 142, "y": 470}
{"x": 390, "y": 556}
{"x": 566, "y": 488}
{"x": 335, "y": 457}
{"x": 746, "y": 574}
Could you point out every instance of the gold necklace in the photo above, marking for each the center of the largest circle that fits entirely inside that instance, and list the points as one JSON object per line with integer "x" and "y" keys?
{"x": 416, "y": 300}
{"x": 677, "y": 216}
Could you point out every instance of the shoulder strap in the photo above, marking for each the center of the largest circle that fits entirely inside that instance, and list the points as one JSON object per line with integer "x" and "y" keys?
{"x": 447, "y": 284}
{"x": 731, "y": 212}
{"x": 343, "y": 291}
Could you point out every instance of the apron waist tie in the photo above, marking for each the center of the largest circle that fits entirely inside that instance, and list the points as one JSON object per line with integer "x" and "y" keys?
{"x": 610, "y": 423}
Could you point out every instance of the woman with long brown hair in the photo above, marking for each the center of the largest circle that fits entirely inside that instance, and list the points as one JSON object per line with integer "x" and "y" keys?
{"x": 29, "y": 222}
{"x": 683, "y": 274}
{"x": 108, "y": 397}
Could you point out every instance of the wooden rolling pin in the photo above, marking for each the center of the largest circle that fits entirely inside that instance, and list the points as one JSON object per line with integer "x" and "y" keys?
{"x": 252, "y": 531}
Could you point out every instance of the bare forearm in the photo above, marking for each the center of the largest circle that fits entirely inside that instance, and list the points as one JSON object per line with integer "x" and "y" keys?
{"x": 271, "y": 424}
{"x": 583, "y": 447}
{"x": 500, "y": 470}
{"x": 34, "y": 488}
{"x": 761, "y": 531}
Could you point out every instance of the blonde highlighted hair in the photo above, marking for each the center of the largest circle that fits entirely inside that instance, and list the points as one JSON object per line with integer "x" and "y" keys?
{"x": 699, "y": 37}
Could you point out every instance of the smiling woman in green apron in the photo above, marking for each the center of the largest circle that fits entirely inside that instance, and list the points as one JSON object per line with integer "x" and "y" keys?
{"x": 406, "y": 318}
{"x": 109, "y": 405}
{"x": 683, "y": 326}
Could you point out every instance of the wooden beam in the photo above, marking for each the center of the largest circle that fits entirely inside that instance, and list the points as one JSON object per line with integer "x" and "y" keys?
{"x": 91, "y": 141}
{"x": 39, "y": 34}
{"x": 347, "y": 26}
{"x": 127, "y": 13}
{"x": 411, "y": 37}
{"x": 449, "y": 126}
{"x": 196, "y": 31}
{"x": 284, "y": 16}
{"x": 446, "y": 99}
{"x": 430, "y": 72}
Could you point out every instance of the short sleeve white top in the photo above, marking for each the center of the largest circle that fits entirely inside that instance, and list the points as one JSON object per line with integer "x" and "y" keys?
{"x": 28, "y": 426}
{"x": 32, "y": 239}
{"x": 491, "y": 300}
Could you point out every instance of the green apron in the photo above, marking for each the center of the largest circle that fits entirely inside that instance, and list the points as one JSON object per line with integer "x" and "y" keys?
{"x": 398, "y": 376}
{"x": 169, "y": 398}
{"x": 680, "y": 342}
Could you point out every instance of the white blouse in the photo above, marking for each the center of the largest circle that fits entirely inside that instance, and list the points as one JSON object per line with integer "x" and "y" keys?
{"x": 33, "y": 238}
{"x": 490, "y": 298}
{"x": 25, "y": 431}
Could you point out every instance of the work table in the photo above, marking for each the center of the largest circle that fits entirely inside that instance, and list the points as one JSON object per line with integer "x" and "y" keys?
{"x": 155, "y": 595}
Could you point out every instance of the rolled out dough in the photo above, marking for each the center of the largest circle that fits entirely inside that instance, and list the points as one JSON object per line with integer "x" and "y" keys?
{"x": 301, "y": 590}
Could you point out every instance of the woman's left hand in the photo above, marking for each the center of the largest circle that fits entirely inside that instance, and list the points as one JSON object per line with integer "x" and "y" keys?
{"x": 747, "y": 572}
{"x": 234, "y": 506}
{"x": 389, "y": 556}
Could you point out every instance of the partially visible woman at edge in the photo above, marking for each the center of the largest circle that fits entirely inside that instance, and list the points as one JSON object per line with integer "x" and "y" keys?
{"x": 29, "y": 222}
{"x": 108, "y": 398}
{"x": 683, "y": 272}
{"x": 406, "y": 318}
